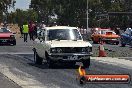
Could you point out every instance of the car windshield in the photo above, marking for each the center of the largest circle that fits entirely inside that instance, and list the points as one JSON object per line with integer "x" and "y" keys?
{"x": 104, "y": 32}
{"x": 4, "y": 30}
{"x": 64, "y": 34}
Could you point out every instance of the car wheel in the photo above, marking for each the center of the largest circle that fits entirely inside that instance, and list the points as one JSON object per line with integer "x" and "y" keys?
{"x": 86, "y": 63}
{"x": 123, "y": 45}
{"x": 100, "y": 40}
{"x": 37, "y": 59}
{"x": 117, "y": 43}
{"x": 94, "y": 42}
{"x": 50, "y": 63}
{"x": 14, "y": 43}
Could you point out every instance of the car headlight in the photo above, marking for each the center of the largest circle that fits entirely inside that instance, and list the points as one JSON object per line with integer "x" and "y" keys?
{"x": 86, "y": 49}
{"x": 12, "y": 36}
{"x": 56, "y": 50}
{"x": 53, "y": 50}
{"x": 59, "y": 50}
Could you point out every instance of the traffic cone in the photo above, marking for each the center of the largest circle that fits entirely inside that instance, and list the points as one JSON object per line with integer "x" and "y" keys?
{"x": 102, "y": 52}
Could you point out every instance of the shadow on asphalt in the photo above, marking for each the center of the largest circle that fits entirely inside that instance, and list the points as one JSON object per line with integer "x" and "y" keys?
{"x": 6, "y": 45}
{"x": 57, "y": 66}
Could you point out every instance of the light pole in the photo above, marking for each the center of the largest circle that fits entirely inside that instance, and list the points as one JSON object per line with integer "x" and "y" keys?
{"x": 87, "y": 14}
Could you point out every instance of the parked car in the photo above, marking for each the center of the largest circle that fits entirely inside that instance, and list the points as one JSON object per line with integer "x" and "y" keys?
{"x": 126, "y": 37}
{"x": 107, "y": 36}
{"x": 93, "y": 30}
{"x": 61, "y": 44}
{"x": 7, "y": 37}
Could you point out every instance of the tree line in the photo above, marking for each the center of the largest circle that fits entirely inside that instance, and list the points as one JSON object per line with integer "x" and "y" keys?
{"x": 73, "y": 12}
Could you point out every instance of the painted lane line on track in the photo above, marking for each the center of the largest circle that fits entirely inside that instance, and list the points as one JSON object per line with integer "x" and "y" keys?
{"x": 25, "y": 80}
{"x": 114, "y": 61}
{"x": 16, "y": 53}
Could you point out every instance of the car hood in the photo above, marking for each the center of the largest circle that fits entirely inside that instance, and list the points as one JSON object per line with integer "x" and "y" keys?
{"x": 5, "y": 34}
{"x": 68, "y": 43}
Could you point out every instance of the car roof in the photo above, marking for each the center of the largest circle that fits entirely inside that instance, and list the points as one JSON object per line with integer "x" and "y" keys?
{"x": 60, "y": 27}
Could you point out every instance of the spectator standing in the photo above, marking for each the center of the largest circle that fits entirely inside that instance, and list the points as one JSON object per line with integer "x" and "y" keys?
{"x": 25, "y": 31}
{"x": 35, "y": 30}
{"x": 42, "y": 26}
{"x": 31, "y": 29}
{"x": 21, "y": 31}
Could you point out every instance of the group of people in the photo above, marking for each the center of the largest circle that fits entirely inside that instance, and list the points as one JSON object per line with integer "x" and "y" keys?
{"x": 29, "y": 28}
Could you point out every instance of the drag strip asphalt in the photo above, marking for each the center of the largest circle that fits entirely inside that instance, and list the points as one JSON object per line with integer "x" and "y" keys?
{"x": 21, "y": 69}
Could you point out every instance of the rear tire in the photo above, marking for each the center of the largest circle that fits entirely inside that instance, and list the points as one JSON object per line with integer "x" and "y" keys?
{"x": 123, "y": 45}
{"x": 37, "y": 59}
{"x": 117, "y": 43}
{"x": 86, "y": 63}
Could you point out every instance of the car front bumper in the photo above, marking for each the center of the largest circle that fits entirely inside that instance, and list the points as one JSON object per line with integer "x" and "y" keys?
{"x": 111, "y": 40}
{"x": 69, "y": 56}
{"x": 7, "y": 41}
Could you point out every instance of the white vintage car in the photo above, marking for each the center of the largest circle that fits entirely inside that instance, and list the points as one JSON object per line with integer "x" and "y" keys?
{"x": 61, "y": 44}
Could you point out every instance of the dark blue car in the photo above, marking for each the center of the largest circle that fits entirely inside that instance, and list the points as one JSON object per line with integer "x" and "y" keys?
{"x": 126, "y": 37}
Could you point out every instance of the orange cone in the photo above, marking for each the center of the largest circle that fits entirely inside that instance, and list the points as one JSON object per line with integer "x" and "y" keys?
{"x": 102, "y": 52}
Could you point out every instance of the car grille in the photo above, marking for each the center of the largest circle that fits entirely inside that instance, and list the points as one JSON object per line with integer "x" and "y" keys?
{"x": 72, "y": 50}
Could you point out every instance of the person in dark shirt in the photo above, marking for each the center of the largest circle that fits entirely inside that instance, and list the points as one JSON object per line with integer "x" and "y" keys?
{"x": 35, "y": 31}
{"x": 31, "y": 30}
{"x": 21, "y": 29}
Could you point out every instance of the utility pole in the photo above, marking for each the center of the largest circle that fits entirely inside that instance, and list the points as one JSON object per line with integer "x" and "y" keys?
{"x": 87, "y": 14}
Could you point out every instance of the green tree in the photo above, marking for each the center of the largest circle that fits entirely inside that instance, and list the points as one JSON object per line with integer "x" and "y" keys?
{"x": 4, "y": 5}
{"x": 73, "y": 12}
{"x": 20, "y": 16}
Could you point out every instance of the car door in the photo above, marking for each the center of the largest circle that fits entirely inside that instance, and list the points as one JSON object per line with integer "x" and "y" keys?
{"x": 39, "y": 42}
{"x": 42, "y": 45}
{"x": 96, "y": 36}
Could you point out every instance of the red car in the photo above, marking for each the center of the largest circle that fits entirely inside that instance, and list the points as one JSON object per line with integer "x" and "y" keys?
{"x": 7, "y": 37}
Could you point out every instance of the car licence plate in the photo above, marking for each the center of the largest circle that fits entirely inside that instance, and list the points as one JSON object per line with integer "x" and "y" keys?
{"x": 4, "y": 41}
{"x": 72, "y": 58}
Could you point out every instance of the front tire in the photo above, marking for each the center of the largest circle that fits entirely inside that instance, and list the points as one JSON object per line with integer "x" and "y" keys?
{"x": 117, "y": 43}
{"x": 94, "y": 42}
{"x": 14, "y": 43}
{"x": 50, "y": 63}
{"x": 37, "y": 59}
{"x": 123, "y": 45}
{"x": 86, "y": 63}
